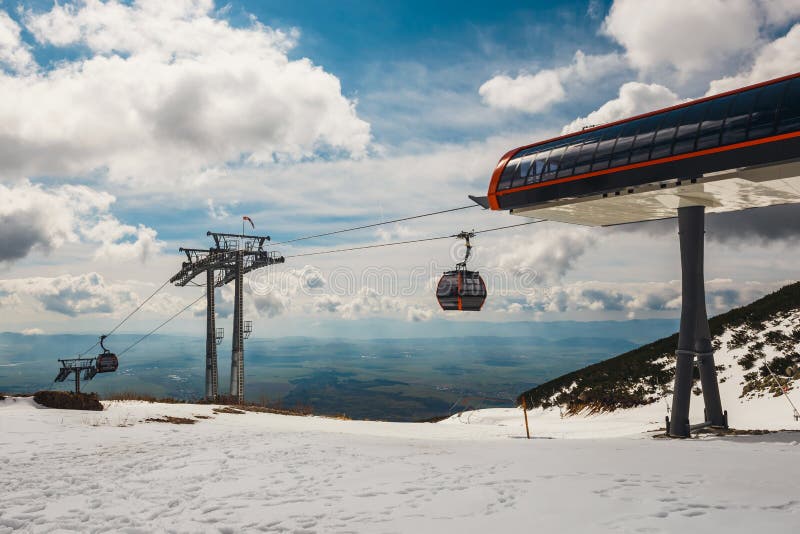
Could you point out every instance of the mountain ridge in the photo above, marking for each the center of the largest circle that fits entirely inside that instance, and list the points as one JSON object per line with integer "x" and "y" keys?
{"x": 767, "y": 329}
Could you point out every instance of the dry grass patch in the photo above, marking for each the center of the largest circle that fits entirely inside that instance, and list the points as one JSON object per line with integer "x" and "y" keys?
{"x": 67, "y": 400}
{"x": 227, "y": 409}
{"x": 133, "y": 396}
{"x": 171, "y": 419}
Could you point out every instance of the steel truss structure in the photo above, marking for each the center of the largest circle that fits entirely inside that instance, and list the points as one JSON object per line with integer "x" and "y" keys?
{"x": 87, "y": 366}
{"x": 228, "y": 260}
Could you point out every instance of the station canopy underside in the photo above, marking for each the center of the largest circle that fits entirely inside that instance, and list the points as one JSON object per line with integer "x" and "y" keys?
{"x": 733, "y": 190}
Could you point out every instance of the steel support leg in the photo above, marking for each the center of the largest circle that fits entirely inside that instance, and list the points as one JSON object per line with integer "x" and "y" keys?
{"x": 237, "y": 355}
{"x": 694, "y": 339}
{"x": 211, "y": 340}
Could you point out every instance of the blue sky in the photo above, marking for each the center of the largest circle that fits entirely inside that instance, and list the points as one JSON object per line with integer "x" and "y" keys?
{"x": 129, "y": 129}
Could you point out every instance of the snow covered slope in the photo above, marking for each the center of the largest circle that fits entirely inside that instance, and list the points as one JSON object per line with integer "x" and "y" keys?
{"x": 749, "y": 342}
{"x": 66, "y": 471}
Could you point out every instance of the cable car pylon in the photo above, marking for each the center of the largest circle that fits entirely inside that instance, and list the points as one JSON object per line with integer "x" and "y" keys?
{"x": 228, "y": 260}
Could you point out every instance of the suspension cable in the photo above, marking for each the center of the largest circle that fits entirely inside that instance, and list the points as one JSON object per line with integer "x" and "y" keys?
{"x": 395, "y": 243}
{"x": 376, "y": 224}
{"x": 154, "y": 330}
{"x": 136, "y": 309}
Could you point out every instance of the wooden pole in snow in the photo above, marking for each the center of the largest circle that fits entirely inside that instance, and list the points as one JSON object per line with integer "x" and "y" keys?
{"x": 525, "y": 411}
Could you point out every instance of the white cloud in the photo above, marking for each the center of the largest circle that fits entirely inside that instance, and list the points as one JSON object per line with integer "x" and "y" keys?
{"x": 533, "y": 93}
{"x": 684, "y": 35}
{"x": 216, "y": 212}
{"x": 38, "y": 218}
{"x": 527, "y": 92}
{"x": 167, "y": 95}
{"x": 32, "y": 332}
{"x": 73, "y": 295}
{"x": 368, "y": 302}
{"x": 35, "y": 217}
{"x": 779, "y": 12}
{"x": 14, "y": 54}
{"x": 416, "y": 314}
{"x": 544, "y": 255}
{"x": 778, "y": 58}
{"x": 634, "y": 98}
{"x": 629, "y": 298}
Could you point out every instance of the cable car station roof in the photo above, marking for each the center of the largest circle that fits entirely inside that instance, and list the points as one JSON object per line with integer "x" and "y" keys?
{"x": 727, "y": 152}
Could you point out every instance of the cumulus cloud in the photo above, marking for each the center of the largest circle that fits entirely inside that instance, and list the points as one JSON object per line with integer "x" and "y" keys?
{"x": 536, "y": 92}
{"x": 70, "y": 295}
{"x": 38, "y": 218}
{"x": 32, "y": 332}
{"x": 634, "y": 98}
{"x": 269, "y": 292}
{"x": 778, "y": 58}
{"x": 548, "y": 254}
{"x": 416, "y": 314}
{"x": 369, "y": 302}
{"x": 167, "y": 93}
{"x": 684, "y": 35}
{"x": 14, "y": 54}
{"x": 526, "y": 92}
{"x": 631, "y": 298}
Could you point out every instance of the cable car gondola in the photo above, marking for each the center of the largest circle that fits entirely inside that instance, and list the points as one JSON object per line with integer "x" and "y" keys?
{"x": 107, "y": 362}
{"x": 461, "y": 289}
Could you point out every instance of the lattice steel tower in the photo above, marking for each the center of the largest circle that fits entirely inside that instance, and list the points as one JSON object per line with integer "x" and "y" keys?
{"x": 232, "y": 256}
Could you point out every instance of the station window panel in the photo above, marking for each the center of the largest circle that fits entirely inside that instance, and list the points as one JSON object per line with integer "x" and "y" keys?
{"x": 711, "y": 127}
{"x": 644, "y": 138}
{"x": 551, "y": 167}
{"x": 508, "y": 175}
{"x": 584, "y": 162}
{"x": 735, "y": 128}
{"x": 686, "y": 136}
{"x": 662, "y": 141}
{"x": 789, "y": 115}
{"x": 522, "y": 170}
{"x": 602, "y": 156}
{"x": 538, "y": 166}
{"x": 622, "y": 150}
{"x": 567, "y": 164}
{"x": 762, "y": 119}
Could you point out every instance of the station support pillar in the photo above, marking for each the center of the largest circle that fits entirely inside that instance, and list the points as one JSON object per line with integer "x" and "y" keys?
{"x": 237, "y": 354}
{"x": 694, "y": 339}
{"x": 212, "y": 380}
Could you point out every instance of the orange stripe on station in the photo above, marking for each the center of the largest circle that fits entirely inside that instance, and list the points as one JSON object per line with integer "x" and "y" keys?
{"x": 494, "y": 193}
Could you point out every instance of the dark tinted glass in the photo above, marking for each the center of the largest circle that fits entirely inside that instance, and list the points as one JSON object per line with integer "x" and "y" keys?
{"x": 662, "y": 142}
{"x": 644, "y": 138}
{"x": 789, "y": 115}
{"x": 551, "y": 167}
{"x": 567, "y": 164}
{"x": 523, "y": 167}
{"x": 690, "y": 121}
{"x": 762, "y": 119}
{"x": 605, "y": 147}
{"x": 735, "y": 128}
{"x": 584, "y": 162}
{"x": 538, "y": 166}
{"x": 711, "y": 127}
{"x": 622, "y": 150}
{"x": 508, "y": 175}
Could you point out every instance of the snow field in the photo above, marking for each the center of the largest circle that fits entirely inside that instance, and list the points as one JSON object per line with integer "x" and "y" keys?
{"x": 65, "y": 471}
